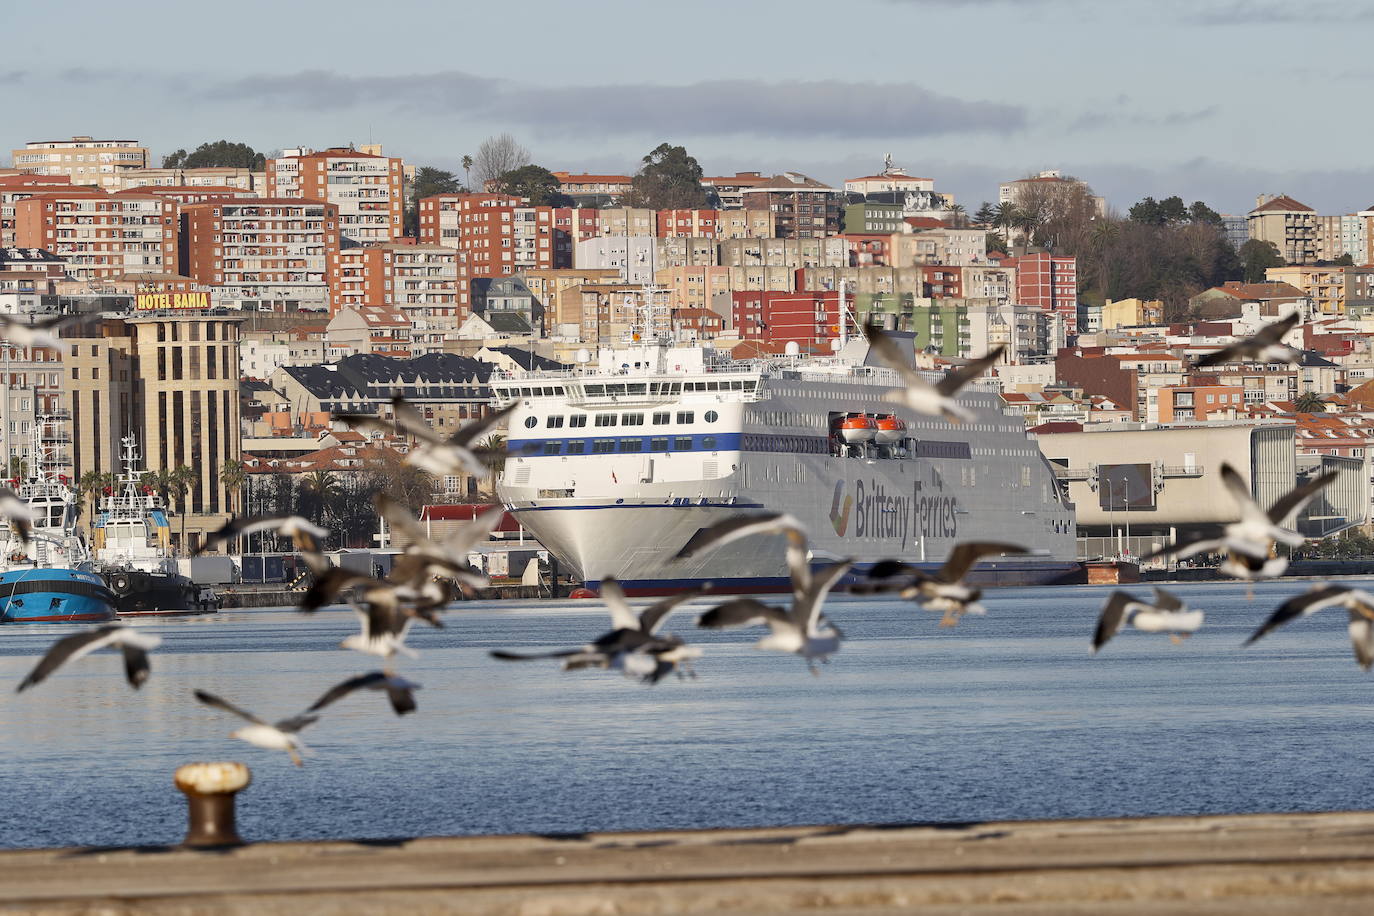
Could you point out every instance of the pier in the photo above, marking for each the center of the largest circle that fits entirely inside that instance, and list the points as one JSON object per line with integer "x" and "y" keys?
{"x": 1264, "y": 863}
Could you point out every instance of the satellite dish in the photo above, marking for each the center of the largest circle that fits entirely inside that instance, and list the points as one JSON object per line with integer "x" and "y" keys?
{"x": 792, "y": 348}
{"x": 584, "y": 355}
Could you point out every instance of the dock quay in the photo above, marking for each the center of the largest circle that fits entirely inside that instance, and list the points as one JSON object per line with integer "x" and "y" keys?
{"x": 1260, "y": 863}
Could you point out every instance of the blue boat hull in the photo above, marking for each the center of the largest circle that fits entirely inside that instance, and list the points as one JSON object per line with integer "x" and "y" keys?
{"x": 43, "y": 595}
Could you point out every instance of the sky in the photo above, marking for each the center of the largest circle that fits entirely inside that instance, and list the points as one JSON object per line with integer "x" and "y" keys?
{"x": 1216, "y": 100}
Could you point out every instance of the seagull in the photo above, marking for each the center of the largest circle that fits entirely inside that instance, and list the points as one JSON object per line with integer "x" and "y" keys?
{"x": 433, "y": 453}
{"x": 802, "y": 630}
{"x": 279, "y": 736}
{"x": 1249, "y": 542}
{"x": 944, "y": 590}
{"x": 133, "y": 644}
{"x": 399, "y": 691}
{"x": 33, "y": 333}
{"x": 1167, "y": 614}
{"x": 305, "y": 533}
{"x": 632, "y": 645}
{"x": 383, "y": 631}
{"x": 1359, "y": 603}
{"x": 933, "y": 400}
{"x": 1265, "y": 346}
{"x": 425, "y": 558}
{"x": 747, "y": 525}
{"x": 19, "y": 513}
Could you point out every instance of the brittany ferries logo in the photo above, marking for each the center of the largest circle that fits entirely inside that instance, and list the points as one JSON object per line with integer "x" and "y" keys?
{"x": 839, "y": 509}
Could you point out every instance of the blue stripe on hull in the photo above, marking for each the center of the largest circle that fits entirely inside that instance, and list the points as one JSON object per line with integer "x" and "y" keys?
{"x": 991, "y": 574}
{"x": 54, "y": 596}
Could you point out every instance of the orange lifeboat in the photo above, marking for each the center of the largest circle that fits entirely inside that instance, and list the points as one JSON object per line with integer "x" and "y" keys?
{"x": 891, "y": 430}
{"x": 858, "y": 428}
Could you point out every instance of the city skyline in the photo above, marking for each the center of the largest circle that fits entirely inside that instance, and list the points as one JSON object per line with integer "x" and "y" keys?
{"x": 1136, "y": 99}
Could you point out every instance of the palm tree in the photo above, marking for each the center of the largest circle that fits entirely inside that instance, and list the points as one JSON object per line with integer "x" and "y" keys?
{"x": 93, "y": 484}
{"x": 319, "y": 495}
{"x": 467, "y": 173}
{"x": 494, "y": 457}
{"x": 958, "y": 216}
{"x": 1309, "y": 402}
{"x": 233, "y": 474}
{"x": 178, "y": 482}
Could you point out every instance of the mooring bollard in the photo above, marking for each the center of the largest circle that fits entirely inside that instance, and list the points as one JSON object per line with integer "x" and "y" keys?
{"x": 210, "y": 789}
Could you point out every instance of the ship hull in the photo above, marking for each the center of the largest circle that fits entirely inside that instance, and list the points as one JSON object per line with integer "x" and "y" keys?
{"x": 144, "y": 594}
{"x": 53, "y": 595}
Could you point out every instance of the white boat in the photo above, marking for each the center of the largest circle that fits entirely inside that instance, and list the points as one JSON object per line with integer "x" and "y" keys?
{"x": 614, "y": 466}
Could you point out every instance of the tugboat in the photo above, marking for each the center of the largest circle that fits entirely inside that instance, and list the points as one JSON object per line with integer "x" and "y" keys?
{"x": 50, "y": 579}
{"x": 133, "y": 551}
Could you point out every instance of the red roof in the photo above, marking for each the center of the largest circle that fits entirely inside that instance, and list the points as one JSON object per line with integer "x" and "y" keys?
{"x": 464, "y": 512}
{"x": 1056, "y": 426}
{"x": 1283, "y": 204}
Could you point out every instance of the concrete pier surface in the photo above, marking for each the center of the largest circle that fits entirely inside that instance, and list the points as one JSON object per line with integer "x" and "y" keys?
{"x": 1254, "y": 864}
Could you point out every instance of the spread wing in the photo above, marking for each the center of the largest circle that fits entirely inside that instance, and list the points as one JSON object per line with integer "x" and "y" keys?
{"x": 890, "y": 353}
{"x": 741, "y": 612}
{"x": 957, "y": 378}
{"x": 1112, "y": 617}
{"x": 473, "y": 430}
{"x": 821, "y": 584}
{"x": 1166, "y": 600}
{"x": 209, "y": 699}
{"x": 1295, "y": 499}
{"x": 1239, "y": 490}
{"x": 738, "y": 526}
{"x": 964, "y": 556}
{"x": 1309, "y": 602}
{"x": 613, "y": 596}
{"x": 652, "y": 617}
{"x": 70, "y": 648}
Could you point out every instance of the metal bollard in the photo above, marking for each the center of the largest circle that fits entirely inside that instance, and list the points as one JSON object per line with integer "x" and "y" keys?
{"x": 210, "y": 789}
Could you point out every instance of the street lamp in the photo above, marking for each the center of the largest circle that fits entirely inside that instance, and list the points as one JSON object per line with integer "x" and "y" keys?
{"x": 1111, "y": 508}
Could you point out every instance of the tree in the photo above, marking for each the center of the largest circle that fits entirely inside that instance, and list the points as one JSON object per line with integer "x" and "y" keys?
{"x": 669, "y": 179}
{"x": 318, "y": 496}
{"x": 1309, "y": 402}
{"x": 221, "y": 153}
{"x": 985, "y": 215}
{"x": 428, "y": 182}
{"x": 234, "y": 474}
{"x": 403, "y": 482}
{"x": 958, "y": 216}
{"x": 494, "y": 457}
{"x": 1344, "y": 260}
{"x": 1201, "y": 213}
{"x": 179, "y": 482}
{"x": 1257, "y": 256}
{"x": 497, "y": 156}
{"x": 467, "y": 172}
{"x": 93, "y": 485}
{"x": 536, "y": 183}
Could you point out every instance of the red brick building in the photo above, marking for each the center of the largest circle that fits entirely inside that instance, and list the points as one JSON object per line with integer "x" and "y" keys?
{"x": 1049, "y": 283}
{"x": 100, "y": 235}
{"x": 688, "y": 223}
{"x": 940, "y": 282}
{"x": 367, "y": 191}
{"x": 17, "y": 187}
{"x": 780, "y": 317}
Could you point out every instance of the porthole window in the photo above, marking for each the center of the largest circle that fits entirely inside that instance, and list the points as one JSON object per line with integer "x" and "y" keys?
{"x": 531, "y": 422}
{"x": 712, "y": 416}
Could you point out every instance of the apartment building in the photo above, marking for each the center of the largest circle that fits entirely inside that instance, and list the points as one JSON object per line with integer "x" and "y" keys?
{"x": 627, "y": 221}
{"x": 784, "y": 252}
{"x": 892, "y": 180}
{"x": 1048, "y": 282}
{"x": 420, "y": 280}
{"x": 263, "y": 254}
{"x": 495, "y": 235}
{"x": 728, "y": 190}
{"x": 802, "y": 207}
{"x": 687, "y": 223}
{"x": 745, "y": 224}
{"x": 17, "y": 187}
{"x": 1324, "y": 286}
{"x": 593, "y": 190}
{"x": 1290, "y": 225}
{"x": 85, "y": 160}
{"x": 873, "y": 218}
{"x": 101, "y": 235}
{"x": 210, "y": 177}
{"x": 368, "y": 190}
{"x": 1197, "y": 403}
{"x": 693, "y": 287}
{"x": 32, "y": 386}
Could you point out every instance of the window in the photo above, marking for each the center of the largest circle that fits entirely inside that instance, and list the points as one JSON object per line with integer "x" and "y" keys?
{"x": 577, "y": 447}
{"x": 683, "y": 443}
{"x": 661, "y": 419}
{"x": 658, "y": 445}
{"x": 531, "y": 422}
{"x": 602, "y": 446}
{"x": 630, "y": 445}
{"x": 712, "y": 416}
{"x": 632, "y": 419}
{"x": 552, "y": 448}
{"x": 577, "y": 421}
{"x": 708, "y": 442}
{"x": 686, "y": 416}
{"x": 605, "y": 419}
{"x": 554, "y": 422}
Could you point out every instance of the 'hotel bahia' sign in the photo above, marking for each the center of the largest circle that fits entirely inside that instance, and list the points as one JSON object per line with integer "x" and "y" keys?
{"x": 147, "y": 302}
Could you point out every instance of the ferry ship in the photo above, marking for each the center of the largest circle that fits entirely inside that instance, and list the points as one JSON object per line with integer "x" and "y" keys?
{"x": 133, "y": 550}
{"x": 614, "y": 466}
{"x": 50, "y": 579}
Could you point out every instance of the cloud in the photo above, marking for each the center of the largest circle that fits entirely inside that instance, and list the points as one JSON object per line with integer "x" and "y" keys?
{"x": 1312, "y": 12}
{"x": 12, "y": 76}
{"x": 818, "y": 108}
{"x": 1099, "y": 120}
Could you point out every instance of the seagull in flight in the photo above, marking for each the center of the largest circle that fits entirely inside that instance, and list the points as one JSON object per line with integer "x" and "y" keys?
{"x": 1357, "y": 602}
{"x": 33, "y": 333}
{"x": 278, "y": 736}
{"x": 19, "y": 513}
{"x": 1166, "y": 614}
{"x": 433, "y": 453}
{"x": 424, "y": 558}
{"x": 399, "y": 691}
{"x": 133, "y": 644}
{"x": 633, "y": 645}
{"x": 1264, "y": 346}
{"x": 1248, "y": 542}
{"x": 382, "y": 632}
{"x": 921, "y": 396}
{"x": 944, "y": 591}
{"x": 304, "y": 533}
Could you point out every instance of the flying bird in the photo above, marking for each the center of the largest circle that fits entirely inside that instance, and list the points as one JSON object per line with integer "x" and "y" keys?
{"x": 33, "y": 333}
{"x": 945, "y": 590}
{"x": 305, "y": 533}
{"x": 19, "y": 514}
{"x": 382, "y": 631}
{"x": 1249, "y": 542}
{"x": 278, "y": 736}
{"x": 800, "y": 630}
{"x": 433, "y": 453}
{"x": 133, "y": 644}
{"x": 1166, "y": 614}
{"x": 425, "y": 558}
{"x": 633, "y": 644}
{"x": 1264, "y": 346}
{"x": 1357, "y": 602}
{"x": 921, "y": 396}
{"x": 399, "y": 691}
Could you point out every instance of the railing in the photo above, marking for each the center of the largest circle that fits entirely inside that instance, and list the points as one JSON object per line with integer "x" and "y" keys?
{"x": 1194, "y": 470}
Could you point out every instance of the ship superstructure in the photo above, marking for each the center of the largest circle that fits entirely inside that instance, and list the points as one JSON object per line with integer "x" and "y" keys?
{"x": 614, "y": 466}
{"x": 50, "y": 578}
